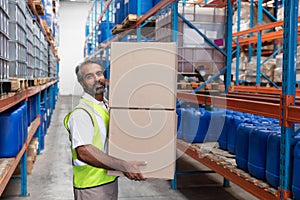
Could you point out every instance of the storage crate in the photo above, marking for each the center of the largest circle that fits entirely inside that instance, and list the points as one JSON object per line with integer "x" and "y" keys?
{"x": 190, "y": 38}
{"x": 30, "y": 48}
{"x": 17, "y": 69}
{"x": 202, "y": 14}
{"x": 17, "y": 51}
{"x": 17, "y": 32}
{"x": 30, "y": 71}
{"x": 16, "y": 14}
{"x": 37, "y": 72}
{"x": 29, "y": 34}
{"x": 29, "y": 19}
{"x": 13, "y": 69}
{"x": 3, "y": 21}
{"x": 4, "y": 4}
{"x": 4, "y": 46}
{"x": 209, "y": 60}
{"x": 4, "y": 69}
{"x": 31, "y": 61}
{"x": 20, "y": 3}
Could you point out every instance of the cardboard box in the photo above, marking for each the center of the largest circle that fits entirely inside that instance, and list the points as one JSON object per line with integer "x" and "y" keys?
{"x": 145, "y": 135}
{"x": 143, "y": 75}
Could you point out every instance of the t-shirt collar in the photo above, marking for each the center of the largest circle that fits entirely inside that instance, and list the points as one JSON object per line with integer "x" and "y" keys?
{"x": 89, "y": 97}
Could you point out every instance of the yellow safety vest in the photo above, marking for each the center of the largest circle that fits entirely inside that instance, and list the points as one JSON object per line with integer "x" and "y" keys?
{"x": 87, "y": 176}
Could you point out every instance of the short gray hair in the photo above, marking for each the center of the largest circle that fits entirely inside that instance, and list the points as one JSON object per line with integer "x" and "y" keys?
{"x": 84, "y": 63}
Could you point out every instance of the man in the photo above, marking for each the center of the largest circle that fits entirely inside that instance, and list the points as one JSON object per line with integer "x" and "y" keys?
{"x": 87, "y": 125}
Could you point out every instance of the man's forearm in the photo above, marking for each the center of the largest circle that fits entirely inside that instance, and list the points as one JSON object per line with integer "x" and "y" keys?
{"x": 94, "y": 157}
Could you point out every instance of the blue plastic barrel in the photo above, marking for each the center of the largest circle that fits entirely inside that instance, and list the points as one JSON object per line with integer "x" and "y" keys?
{"x": 257, "y": 152}
{"x": 20, "y": 127}
{"x": 105, "y": 31}
{"x": 48, "y": 112}
{"x": 130, "y": 6}
{"x": 119, "y": 15}
{"x": 234, "y": 122}
{"x": 273, "y": 159}
{"x": 191, "y": 119}
{"x": 231, "y": 134}
{"x": 241, "y": 150}
{"x": 24, "y": 127}
{"x": 296, "y": 172}
{"x": 223, "y": 137}
{"x": 28, "y": 112}
{"x": 43, "y": 128}
{"x": 33, "y": 107}
{"x": 179, "y": 112}
{"x": 10, "y": 136}
{"x": 215, "y": 122}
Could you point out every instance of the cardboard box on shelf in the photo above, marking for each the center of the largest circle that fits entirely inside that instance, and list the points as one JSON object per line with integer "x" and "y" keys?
{"x": 144, "y": 135}
{"x": 143, "y": 75}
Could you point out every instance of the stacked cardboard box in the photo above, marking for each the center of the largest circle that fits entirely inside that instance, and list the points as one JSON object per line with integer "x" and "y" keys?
{"x": 142, "y": 100}
{"x": 31, "y": 157}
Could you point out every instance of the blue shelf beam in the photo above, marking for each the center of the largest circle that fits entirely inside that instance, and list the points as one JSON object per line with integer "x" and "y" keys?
{"x": 288, "y": 93}
{"x": 228, "y": 46}
{"x": 175, "y": 22}
{"x": 259, "y": 42}
{"x": 250, "y": 53}
{"x": 238, "y": 48}
{"x": 271, "y": 17}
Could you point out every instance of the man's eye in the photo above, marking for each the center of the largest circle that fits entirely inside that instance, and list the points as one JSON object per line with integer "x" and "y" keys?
{"x": 89, "y": 76}
{"x": 99, "y": 73}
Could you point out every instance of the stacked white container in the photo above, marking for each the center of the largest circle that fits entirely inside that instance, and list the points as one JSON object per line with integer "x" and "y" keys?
{"x": 30, "y": 47}
{"x": 17, "y": 43}
{"x": 4, "y": 38}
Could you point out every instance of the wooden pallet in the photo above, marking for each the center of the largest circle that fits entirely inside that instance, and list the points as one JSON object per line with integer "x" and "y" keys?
{"x": 40, "y": 81}
{"x": 47, "y": 28}
{"x": 129, "y": 21}
{"x": 5, "y": 164}
{"x": 18, "y": 84}
{"x": 118, "y": 28}
{"x": 30, "y": 82}
{"x": 5, "y": 86}
{"x": 101, "y": 46}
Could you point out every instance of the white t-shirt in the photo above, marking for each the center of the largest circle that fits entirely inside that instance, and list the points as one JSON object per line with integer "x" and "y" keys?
{"x": 82, "y": 129}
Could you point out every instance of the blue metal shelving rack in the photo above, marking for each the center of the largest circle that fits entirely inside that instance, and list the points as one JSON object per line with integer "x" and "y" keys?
{"x": 288, "y": 93}
{"x": 289, "y": 66}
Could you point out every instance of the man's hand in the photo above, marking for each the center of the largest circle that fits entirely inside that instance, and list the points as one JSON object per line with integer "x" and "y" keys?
{"x": 132, "y": 170}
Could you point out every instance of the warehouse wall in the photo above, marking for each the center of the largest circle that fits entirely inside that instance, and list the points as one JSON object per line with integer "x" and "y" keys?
{"x": 72, "y": 36}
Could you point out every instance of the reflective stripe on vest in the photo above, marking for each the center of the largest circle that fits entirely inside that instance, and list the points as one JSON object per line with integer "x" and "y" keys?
{"x": 85, "y": 175}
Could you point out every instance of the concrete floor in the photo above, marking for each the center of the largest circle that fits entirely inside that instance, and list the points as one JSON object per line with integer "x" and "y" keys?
{"x": 51, "y": 178}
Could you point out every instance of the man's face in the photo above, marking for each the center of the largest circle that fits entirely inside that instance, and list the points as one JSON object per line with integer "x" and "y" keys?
{"x": 93, "y": 81}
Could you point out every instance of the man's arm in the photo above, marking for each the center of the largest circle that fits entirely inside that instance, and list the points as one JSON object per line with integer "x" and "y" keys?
{"x": 94, "y": 157}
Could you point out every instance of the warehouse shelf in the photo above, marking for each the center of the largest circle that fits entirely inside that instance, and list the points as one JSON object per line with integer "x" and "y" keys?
{"x": 94, "y": 28}
{"x": 258, "y": 97}
{"x": 229, "y": 171}
{"x": 37, "y": 76}
{"x": 140, "y": 20}
{"x": 281, "y": 106}
{"x": 13, "y": 162}
{"x": 260, "y": 90}
{"x": 10, "y": 100}
{"x": 30, "y": 3}
{"x": 265, "y": 37}
{"x": 34, "y": 129}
